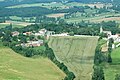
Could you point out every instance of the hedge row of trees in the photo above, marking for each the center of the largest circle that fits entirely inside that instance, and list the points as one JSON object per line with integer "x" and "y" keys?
{"x": 100, "y": 58}
{"x": 98, "y": 73}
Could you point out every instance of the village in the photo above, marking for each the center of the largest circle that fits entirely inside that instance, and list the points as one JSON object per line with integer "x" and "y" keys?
{"x": 46, "y": 34}
{"x": 109, "y": 35}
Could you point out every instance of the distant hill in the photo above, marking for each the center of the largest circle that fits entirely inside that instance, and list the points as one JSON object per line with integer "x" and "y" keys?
{"x": 4, "y": 3}
{"x": 84, "y": 1}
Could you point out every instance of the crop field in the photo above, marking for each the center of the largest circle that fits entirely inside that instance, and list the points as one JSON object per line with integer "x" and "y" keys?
{"x": 15, "y": 24}
{"x": 3, "y": 25}
{"x": 77, "y": 53}
{"x": 45, "y": 5}
{"x": 114, "y": 68}
{"x": 98, "y": 18}
{"x": 16, "y": 67}
{"x": 56, "y": 15}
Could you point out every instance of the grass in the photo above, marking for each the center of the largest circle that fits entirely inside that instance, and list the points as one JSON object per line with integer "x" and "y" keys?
{"x": 98, "y": 18}
{"x": 56, "y": 15}
{"x": 3, "y": 25}
{"x": 112, "y": 69}
{"x": 16, "y": 67}
{"x": 17, "y": 24}
{"x": 46, "y": 5}
{"x": 77, "y": 53}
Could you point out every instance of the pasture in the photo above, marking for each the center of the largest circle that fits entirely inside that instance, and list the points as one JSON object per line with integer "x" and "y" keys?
{"x": 45, "y": 5}
{"x": 16, "y": 67}
{"x": 56, "y": 15}
{"x": 112, "y": 69}
{"x": 3, "y": 25}
{"x": 98, "y": 18}
{"x": 77, "y": 53}
{"x": 15, "y": 24}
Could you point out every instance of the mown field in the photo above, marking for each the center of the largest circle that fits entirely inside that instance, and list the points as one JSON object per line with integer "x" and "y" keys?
{"x": 77, "y": 53}
{"x": 15, "y": 24}
{"x": 114, "y": 68}
{"x": 16, "y": 67}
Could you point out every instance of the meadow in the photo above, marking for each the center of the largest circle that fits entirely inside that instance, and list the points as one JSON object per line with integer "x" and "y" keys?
{"x": 15, "y": 24}
{"x": 16, "y": 67}
{"x": 77, "y": 53}
{"x": 112, "y": 69}
{"x": 88, "y": 12}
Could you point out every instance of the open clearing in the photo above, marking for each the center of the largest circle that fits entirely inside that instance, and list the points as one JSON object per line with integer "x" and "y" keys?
{"x": 16, "y": 67}
{"x": 114, "y": 68}
{"x": 15, "y": 24}
{"x": 56, "y": 15}
{"x": 77, "y": 53}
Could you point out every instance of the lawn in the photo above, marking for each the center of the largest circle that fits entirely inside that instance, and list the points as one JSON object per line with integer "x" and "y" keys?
{"x": 77, "y": 53}
{"x": 16, "y": 67}
{"x": 112, "y": 69}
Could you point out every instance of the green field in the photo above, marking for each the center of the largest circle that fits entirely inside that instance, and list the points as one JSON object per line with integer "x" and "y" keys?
{"x": 114, "y": 68}
{"x": 14, "y": 25}
{"x": 46, "y": 5}
{"x": 77, "y": 53}
{"x": 16, "y": 67}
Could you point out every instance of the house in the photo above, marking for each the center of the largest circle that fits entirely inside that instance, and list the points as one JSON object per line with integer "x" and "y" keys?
{"x": 42, "y": 32}
{"x": 49, "y": 33}
{"x": 116, "y": 37}
{"x": 62, "y": 34}
{"x": 15, "y": 33}
{"x": 35, "y": 43}
{"x": 106, "y": 32}
{"x": 27, "y": 33}
{"x": 32, "y": 43}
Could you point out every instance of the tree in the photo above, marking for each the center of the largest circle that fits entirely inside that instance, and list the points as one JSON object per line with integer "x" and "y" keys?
{"x": 71, "y": 33}
{"x": 98, "y": 73}
{"x": 111, "y": 41}
{"x": 117, "y": 77}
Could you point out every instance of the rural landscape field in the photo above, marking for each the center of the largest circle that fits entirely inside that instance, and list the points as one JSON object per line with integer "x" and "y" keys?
{"x": 59, "y": 39}
{"x": 77, "y": 53}
{"x": 16, "y": 67}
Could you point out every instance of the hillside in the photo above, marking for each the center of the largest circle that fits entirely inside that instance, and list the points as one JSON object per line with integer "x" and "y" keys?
{"x": 114, "y": 68}
{"x": 77, "y": 53}
{"x": 58, "y": 0}
{"x": 16, "y": 67}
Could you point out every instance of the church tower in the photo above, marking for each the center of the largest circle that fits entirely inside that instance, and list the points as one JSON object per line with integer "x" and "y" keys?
{"x": 101, "y": 29}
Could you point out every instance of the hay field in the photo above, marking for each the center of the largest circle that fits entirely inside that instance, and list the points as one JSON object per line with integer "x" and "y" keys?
{"x": 16, "y": 67}
{"x": 77, "y": 53}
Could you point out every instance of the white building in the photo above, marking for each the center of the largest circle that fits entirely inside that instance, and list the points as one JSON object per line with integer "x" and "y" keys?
{"x": 42, "y": 32}
{"x": 62, "y": 34}
{"x": 15, "y": 33}
{"x": 106, "y": 32}
{"x": 116, "y": 38}
{"x": 32, "y": 43}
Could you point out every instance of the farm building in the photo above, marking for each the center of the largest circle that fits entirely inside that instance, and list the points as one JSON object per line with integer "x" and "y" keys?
{"x": 106, "y": 32}
{"x": 15, "y": 33}
{"x": 116, "y": 37}
{"x": 42, "y": 32}
{"x": 33, "y": 43}
{"x": 62, "y": 34}
{"x": 27, "y": 33}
